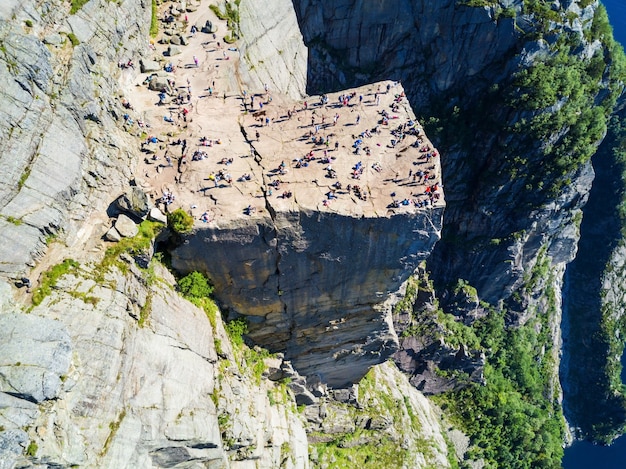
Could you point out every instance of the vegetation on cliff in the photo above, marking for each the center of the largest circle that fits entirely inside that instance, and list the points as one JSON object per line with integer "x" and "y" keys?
{"x": 512, "y": 415}
{"x": 529, "y": 138}
{"x": 514, "y": 420}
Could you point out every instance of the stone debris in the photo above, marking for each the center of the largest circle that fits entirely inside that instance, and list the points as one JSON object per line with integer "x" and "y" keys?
{"x": 156, "y": 215}
{"x": 134, "y": 202}
{"x": 113, "y": 235}
{"x": 126, "y": 227}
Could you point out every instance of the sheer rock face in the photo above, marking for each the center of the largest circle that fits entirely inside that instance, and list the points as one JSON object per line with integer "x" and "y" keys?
{"x": 429, "y": 46}
{"x": 314, "y": 284}
{"x": 61, "y": 145}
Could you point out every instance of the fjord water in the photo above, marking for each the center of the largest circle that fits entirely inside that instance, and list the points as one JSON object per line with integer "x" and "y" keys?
{"x": 584, "y": 455}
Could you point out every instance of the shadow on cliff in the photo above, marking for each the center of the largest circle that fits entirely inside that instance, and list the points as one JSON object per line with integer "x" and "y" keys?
{"x": 590, "y": 403}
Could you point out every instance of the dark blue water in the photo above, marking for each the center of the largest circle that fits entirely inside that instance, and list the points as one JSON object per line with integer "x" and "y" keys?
{"x": 583, "y": 455}
{"x": 617, "y": 15}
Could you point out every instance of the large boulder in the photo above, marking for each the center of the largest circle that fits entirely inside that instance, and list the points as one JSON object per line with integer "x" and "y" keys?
{"x": 209, "y": 27}
{"x": 173, "y": 50}
{"x": 126, "y": 227}
{"x": 156, "y": 215}
{"x": 147, "y": 66}
{"x": 134, "y": 202}
{"x": 113, "y": 235}
{"x": 159, "y": 84}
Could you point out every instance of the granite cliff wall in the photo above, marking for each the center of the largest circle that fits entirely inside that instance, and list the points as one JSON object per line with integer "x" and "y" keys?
{"x": 515, "y": 184}
{"x": 272, "y": 47}
{"x": 62, "y": 150}
{"x": 314, "y": 284}
{"x": 594, "y": 303}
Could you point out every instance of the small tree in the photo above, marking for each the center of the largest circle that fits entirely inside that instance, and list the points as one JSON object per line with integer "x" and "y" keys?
{"x": 180, "y": 221}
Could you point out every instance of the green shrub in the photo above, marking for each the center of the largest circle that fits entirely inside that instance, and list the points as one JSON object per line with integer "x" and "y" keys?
{"x": 77, "y": 5}
{"x": 236, "y": 329}
{"x": 73, "y": 39}
{"x": 197, "y": 289}
{"x": 32, "y": 449}
{"x": 29, "y": 23}
{"x": 195, "y": 285}
{"x": 180, "y": 221}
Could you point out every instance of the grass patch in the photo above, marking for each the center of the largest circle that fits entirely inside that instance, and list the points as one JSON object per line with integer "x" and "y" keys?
{"x": 148, "y": 230}
{"x": 23, "y": 178}
{"x": 73, "y": 39}
{"x": 145, "y": 311}
{"x": 154, "y": 20}
{"x": 32, "y": 449}
{"x": 50, "y": 278}
{"x": 113, "y": 427}
{"x": 255, "y": 361}
{"x": 14, "y": 221}
{"x": 77, "y": 5}
{"x": 85, "y": 298}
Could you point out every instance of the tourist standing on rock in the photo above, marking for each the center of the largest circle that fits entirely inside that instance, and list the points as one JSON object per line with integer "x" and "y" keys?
{"x": 195, "y": 61}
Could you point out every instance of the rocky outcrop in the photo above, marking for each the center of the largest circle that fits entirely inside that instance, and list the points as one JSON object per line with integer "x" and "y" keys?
{"x": 438, "y": 52}
{"x": 272, "y": 47}
{"x": 131, "y": 396}
{"x": 514, "y": 197}
{"x": 383, "y": 414}
{"x": 314, "y": 285}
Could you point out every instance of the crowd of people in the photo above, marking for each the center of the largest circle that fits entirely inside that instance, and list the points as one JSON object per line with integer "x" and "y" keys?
{"x": 375, "y": 122}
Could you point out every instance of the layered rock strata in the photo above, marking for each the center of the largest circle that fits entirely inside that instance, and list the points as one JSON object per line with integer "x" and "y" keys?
{"x": 314, "y": 284}
{"x": 62, "y": 148}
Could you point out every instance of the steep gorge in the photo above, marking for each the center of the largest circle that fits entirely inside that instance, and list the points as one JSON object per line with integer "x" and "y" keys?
{"x": 308, "y": 282}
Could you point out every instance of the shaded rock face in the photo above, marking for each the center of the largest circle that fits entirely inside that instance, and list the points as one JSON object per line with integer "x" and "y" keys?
{"x": 61, "y": 146}
{"x": 594, "y": 307}
{"x": 314, "y": 284}
{"x": 447, "y": 55}
{"x": 429, "y": 46}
